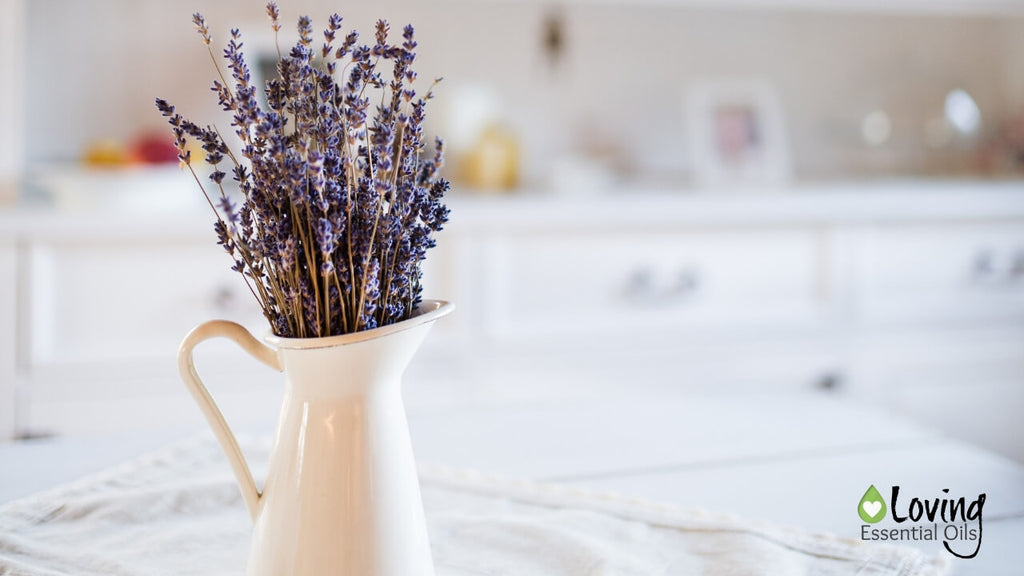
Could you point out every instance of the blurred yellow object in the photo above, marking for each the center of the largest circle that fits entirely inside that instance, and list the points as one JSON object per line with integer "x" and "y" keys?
{"x": 8, "y": 192}
{"x": 493, "y": 161}
{"x": 196, "y": 153}
{"x": 105, "y": 153}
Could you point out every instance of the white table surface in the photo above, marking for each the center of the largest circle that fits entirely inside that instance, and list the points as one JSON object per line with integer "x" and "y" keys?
{"x": 802, "y": 460}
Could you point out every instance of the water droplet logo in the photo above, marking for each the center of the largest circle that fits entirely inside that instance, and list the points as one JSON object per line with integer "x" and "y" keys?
{"x": 871, "y": 508}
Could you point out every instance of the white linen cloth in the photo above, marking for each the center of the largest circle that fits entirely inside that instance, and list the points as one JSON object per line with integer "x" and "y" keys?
{"x": 178, "y": 512}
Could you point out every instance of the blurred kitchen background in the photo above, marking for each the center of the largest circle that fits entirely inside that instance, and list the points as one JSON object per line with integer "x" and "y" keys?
{"x": 722, "y": 197}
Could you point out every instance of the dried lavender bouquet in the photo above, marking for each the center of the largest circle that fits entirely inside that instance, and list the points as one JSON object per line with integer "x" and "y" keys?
{"x": 338, "y": 207}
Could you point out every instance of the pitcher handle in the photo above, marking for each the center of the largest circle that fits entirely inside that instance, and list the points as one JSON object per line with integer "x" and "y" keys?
{"x": 187, "y": 369}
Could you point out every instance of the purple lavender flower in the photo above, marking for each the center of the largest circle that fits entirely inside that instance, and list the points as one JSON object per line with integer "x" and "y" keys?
{"x": 333, "y": 25}
{"x": 346, "y": 47}
{"x": 275, "y": 16}
{"x": 407, "y": 34}
{"x": 337, "y": 203}
{"x": 305, "y": 28}
{"x": 201, "y": 28}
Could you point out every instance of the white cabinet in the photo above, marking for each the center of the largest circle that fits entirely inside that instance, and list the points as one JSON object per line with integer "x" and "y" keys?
{"x": 613, "y": 284}
{"x": 8, "y": 337}
{"x": 914, "y": 302}
{"x": 102, "y": 317}
{"x": 937, "y": 326}
{"x": 968, "y": 382}
{"x": 953, "y": 274}
{"x": 913, "y": 299}
{"x": 103, "y": 309}
{"x": 108, "y": 300}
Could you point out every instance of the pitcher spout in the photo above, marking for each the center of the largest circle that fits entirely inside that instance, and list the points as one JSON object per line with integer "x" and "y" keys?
{"x": 347, "y": 364}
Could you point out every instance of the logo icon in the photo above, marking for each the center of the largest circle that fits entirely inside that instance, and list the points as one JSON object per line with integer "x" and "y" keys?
{"x": 872, "y": 507}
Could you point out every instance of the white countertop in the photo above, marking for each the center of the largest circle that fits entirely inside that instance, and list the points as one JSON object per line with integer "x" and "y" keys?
{"x": 837, "y": 203}
{"x": 166, "y": 202}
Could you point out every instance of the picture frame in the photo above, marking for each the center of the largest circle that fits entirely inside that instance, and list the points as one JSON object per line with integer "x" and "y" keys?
{"x": 737, "y": 133}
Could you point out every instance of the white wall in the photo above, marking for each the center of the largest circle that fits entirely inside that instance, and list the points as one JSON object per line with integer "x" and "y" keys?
{"x": 94, "y": 69}
{"x": 11, "y": 88}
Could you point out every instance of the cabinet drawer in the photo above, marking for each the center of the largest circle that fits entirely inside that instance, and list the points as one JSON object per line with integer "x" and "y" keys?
{"x": 124, "y": 300}
{"x": 967, "y": 383}
{"x": 943, "y": 274}
{"x": 600, "y": 284}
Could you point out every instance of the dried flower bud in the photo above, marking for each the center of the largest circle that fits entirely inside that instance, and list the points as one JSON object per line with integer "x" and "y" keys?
{"x": 407, "y": 34}
{"x": 345, "y": 48}
{"x": 287, "y": 252}
{"x": 227, "y": 207}
{"x": 305, "y": 28}
{"x": 275, "y": 16}
{"x": 164, "y": 108}
{"x": 381, "y": 35}
{"x": 201, "y": 28}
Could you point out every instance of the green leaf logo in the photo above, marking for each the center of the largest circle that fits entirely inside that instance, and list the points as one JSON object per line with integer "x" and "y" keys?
{"x": 871, "y": 507}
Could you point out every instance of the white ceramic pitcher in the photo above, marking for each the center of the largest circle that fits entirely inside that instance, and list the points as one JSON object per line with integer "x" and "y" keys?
{"x": 342, "y": 495}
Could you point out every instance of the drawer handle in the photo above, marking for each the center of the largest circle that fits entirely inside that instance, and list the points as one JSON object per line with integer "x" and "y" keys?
{"x": 984, "y": 265}
{"x": 639, "y": 285}
{"x": 1017, "y": 268}
{"x": 687, "y": 282}
{"x": 990, "y": 268}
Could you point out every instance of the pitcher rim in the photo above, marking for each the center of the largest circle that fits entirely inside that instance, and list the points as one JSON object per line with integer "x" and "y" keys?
{"x": 427, "y": 311}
